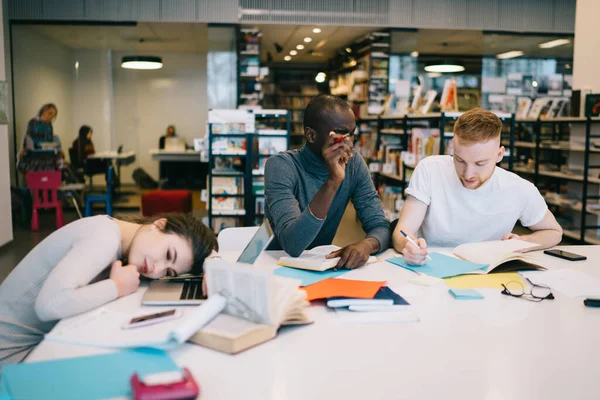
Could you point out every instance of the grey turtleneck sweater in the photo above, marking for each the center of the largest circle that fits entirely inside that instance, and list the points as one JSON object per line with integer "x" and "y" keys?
{"x": 293, "y": 178}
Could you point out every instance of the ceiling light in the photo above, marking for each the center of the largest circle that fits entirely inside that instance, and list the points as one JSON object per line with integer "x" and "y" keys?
{"x": 316, "y": 30}
{"x": 509, "y": 54}
{"x": 287, "y": 58}
{"x": 534, "y": 84}
{"x": 141, "y": 62}
{"x": 554, "y": 43}
{"x": 293, "y": 53}
{"x": 348, "y": 50}
{"x": 300, "y": 47}
{"x": 307, "y": 40}
{"x": 320, "y": 78}
{"x": 568, "y": 66}
{"x": 77, "y": 64}
{"x": 414, "y": 54}
{"x": 444, "y": 68}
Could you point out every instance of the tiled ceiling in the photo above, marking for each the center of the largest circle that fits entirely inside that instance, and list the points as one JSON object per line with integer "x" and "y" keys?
{"x": 143, "y": 37}
{"x": 193, "y": 38}
{"x": 322, "y": 47}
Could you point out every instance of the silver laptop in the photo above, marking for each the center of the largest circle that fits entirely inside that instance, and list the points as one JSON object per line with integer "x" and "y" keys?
{"x": 187, "y": 290}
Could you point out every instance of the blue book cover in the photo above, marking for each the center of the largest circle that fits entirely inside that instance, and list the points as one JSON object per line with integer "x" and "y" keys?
{"x": 440, "y": 266}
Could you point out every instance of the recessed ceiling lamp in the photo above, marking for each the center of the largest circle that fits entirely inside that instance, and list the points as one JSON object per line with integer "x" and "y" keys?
{"x": 307, "y": 40}
{"x": 445, "y": 67}
{"x": 320, "y": 78}
{"x": 287, "y": 58}
{"x": 141, "y": 62}
{"x": 348, "y": 50}
{"x": 554, "y": 43}
{"x": 509, "y": 54}
{"x": 300, "y": 47}
{"x": 293, "y": 53}
{"x": 414, "y": 54}
{"x": 316, "y": 30}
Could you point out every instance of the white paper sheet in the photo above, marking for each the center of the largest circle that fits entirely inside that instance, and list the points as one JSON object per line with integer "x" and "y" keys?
{"x": 569, "y": 282}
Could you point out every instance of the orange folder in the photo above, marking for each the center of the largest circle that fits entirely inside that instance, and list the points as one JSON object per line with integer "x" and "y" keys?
{"x": 334, "y": 287}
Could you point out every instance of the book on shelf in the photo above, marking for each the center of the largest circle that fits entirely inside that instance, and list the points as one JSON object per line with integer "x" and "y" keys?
{"x": 223, "y": 186}
{"x": 424, "y": 142}
{"x": 540, "y": 107}
{"x": 592, "y": 105}
{"x": 258, "y": 304}
{"x": 391, "y": 198}
{"x": 269, "y": 146}
{"x": 523, "y": 106}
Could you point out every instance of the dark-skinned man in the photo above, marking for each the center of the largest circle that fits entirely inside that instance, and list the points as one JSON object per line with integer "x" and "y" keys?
{"x": 307, "y": 190}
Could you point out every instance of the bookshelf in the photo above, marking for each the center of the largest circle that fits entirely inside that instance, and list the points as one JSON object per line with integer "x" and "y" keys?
{"x": 361, "y": 76}
{"x": 560, "y": 157}
{"x": 273, "y": 128}
{"x": 251, "y": 75}
{"x": 396, "y": 144}
{"x": 237, "y": 154}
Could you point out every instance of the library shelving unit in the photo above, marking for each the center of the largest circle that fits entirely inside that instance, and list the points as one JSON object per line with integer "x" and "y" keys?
{"x": 272, "y": 136}
{"x": 396, "y": 134}
{"x": 250, "y": 79}
{"x": 361, "y": 76}
{"x": 561, "y": 159}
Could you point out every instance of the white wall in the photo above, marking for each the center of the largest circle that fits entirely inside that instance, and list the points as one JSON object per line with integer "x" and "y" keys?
{"x": 43, "y": 72}
{"x": 586, "y": 62}
{"x": 6, "y": 234}
{"x": 92, "y": 95}
{"x": 146, "y": 102}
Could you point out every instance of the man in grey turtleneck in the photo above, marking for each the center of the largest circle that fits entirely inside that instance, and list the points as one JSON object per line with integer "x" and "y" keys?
{"x": 307, "y": 190}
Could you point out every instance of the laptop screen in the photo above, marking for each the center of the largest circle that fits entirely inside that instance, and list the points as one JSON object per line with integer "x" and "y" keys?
{"x": 257, "y": 244}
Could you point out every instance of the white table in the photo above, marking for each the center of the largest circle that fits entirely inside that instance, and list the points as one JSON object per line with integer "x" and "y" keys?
{"x": 492, "y": 349}
{"x": 182, "y": 155}
{"x": 125, "y": 158}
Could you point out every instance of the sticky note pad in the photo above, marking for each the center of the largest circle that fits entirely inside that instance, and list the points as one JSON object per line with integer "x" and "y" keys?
{"x": 465, "y": 294}
{"x": 342, "y": 288}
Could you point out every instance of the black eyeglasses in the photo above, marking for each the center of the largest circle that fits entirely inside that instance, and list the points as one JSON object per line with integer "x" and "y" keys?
{"x": 537, "y": 292}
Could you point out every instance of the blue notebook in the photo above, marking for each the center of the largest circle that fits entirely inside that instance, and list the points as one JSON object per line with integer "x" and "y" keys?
{"x": 94, "y": 377}
{"x": 308, "y": 277}
{"x": 440, "y": 266}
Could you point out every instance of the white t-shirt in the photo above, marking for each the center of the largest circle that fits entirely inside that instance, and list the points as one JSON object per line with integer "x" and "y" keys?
{"x": 458, "y": 215}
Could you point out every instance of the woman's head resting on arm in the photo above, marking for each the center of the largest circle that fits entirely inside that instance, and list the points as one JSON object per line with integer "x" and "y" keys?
{"x": 170, "y": 245}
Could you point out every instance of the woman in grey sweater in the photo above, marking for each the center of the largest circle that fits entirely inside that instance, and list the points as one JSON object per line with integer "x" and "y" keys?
{"x": 88, "y": 263}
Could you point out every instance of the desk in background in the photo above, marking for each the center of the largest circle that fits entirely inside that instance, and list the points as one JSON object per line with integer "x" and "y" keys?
{"x": 497, "y": 348}
{"x": 181, "y": 169}
{"x": 123, "y": 158}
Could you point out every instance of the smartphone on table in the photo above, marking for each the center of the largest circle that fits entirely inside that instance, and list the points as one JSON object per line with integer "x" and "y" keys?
{"x": 565, "y": 255}
{"x": 154, "y": 318}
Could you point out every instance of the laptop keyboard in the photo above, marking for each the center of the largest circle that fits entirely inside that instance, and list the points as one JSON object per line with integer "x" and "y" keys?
{"x": 192, "y": 291}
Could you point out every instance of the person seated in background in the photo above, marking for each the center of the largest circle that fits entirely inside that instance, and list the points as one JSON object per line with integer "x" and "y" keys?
{"x": 170, "y": 133}
{"x": 91, "y": 262}
{"x": 466, "y": 198}
{"x": 83, "y": 145}
{"x": 307, "y": 190}
{"x": 41, "y": 149}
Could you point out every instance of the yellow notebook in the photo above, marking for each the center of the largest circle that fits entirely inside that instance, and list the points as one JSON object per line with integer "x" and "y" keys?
{"x": 486, "y": 281}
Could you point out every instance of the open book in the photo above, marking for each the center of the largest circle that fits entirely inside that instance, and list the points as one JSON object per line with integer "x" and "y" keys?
{"x": 258, "y": 304}
{"x": 314, "y": 259}
{"x": 103, "y": 327}
{"x": 499, "y": 255}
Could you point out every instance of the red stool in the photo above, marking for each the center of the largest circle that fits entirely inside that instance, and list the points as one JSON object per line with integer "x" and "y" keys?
{"x": 45, "y": 182}
{"x": 163, "y": 201}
